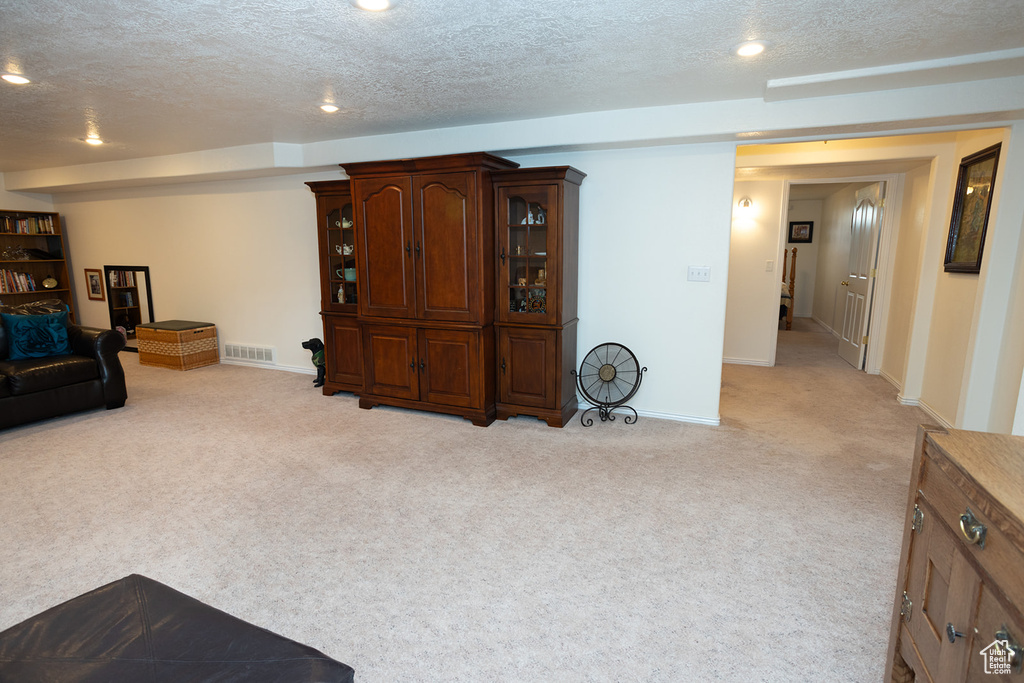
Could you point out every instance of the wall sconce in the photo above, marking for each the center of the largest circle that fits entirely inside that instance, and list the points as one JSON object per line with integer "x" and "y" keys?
{"x": 743, "y": 216}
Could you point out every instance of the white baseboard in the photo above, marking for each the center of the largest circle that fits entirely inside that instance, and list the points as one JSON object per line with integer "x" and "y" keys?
{"x": 890, "y": 379}
{"x": 746, "y": 361}
{"x": 675, "y": 417}
{"x": 269, "y": 366}
{"x": 827, "y": 327}
{"x": 903, "y": 400}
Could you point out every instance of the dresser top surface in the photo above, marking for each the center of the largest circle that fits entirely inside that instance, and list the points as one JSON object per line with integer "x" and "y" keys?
{"x": 994, "y": 461}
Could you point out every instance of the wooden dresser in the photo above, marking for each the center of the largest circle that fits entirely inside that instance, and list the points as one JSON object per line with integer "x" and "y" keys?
{"x": 960, "y": 591}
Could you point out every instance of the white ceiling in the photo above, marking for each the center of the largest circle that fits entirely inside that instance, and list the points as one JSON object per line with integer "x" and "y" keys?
{"x": 156, "y": 77}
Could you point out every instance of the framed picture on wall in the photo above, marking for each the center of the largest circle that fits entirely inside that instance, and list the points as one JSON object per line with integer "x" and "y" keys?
{"x": 972, "y": 203}
{"x": 801, "y": 231}
{"x": 94, "y": 282}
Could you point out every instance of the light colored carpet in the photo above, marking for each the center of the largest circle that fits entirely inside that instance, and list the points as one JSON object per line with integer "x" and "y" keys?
{"x": 417, "y": 547}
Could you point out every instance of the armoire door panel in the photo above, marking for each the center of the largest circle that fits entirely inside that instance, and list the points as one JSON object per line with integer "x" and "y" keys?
{"x": 451, "y": 367}
{"x": 392, "y": 368}
{"x": 385, "y": 228}
{"x": 344, "y": 350}
{"x": 446, "y": 249}
{"x": 527, "y": 370}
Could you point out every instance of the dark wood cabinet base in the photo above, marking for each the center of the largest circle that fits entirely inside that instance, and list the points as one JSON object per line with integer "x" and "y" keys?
{"x": 480, "y": 418}
{"x": 554, "y": 418}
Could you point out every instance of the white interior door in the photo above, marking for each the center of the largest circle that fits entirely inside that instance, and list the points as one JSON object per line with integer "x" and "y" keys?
{"x": 857, "y": 286}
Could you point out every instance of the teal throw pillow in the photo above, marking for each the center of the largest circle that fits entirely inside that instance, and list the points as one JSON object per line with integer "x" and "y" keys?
{"x": 36, "y": 336}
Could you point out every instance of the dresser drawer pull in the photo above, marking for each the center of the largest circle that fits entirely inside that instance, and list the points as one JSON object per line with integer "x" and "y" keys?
{"x": 1016, "y": 652}
{"x": 906, "y": 608}
{"x": 972, "y": 530}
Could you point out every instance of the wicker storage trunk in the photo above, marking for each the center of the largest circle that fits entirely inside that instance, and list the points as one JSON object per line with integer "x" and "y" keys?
{"x": 177, "y": 344}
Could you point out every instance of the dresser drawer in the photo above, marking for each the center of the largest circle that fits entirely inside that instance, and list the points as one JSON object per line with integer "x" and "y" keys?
{"x": 999, "y": 557}
{"x": 995, "y": 622}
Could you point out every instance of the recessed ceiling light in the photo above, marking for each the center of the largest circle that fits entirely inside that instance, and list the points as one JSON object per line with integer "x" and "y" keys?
{"x": 17, "y": 79}
{"x": 329, "y": 108}
{"x": 93, "y": 139}
{"x": 751, "y": 48}
{"x": 374, "y": 5}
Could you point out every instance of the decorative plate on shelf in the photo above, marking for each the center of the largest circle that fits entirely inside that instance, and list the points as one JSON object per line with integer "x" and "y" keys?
{"x": 50, "y": 283}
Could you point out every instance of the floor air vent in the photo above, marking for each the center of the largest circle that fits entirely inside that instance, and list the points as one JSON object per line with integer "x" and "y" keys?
{"x": 249, "y": 354}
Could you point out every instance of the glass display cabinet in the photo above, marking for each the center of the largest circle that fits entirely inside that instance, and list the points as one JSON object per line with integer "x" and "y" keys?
{"x": 537, "y": 219}
{"x": 339, "y": 290}
{"x": 526, "y": 221}
{"x": 341, "y": 253}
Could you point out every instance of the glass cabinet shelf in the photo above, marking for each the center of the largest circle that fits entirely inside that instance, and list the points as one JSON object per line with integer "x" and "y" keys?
{"x": 527, "y": 234}
{"x": 341, "y": 241}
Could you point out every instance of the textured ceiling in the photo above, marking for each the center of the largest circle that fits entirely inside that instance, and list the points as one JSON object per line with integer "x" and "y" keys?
{"x": 155, "y": 77}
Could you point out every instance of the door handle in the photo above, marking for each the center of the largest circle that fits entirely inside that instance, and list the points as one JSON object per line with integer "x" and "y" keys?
{"x": 417, "y": 249}
{"x": 845, "y": 283}
{"x": 503, "y": 366}
{"x": 423, "y": 366}
{"x": 503, "y": 256}
{"x": 408, "y": 248}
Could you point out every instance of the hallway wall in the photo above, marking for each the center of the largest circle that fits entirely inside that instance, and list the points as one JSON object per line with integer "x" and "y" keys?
{"x": 807, "y": 254}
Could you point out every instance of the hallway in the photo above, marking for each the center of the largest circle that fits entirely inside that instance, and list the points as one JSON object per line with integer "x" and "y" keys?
{"x": 812, "y": 398}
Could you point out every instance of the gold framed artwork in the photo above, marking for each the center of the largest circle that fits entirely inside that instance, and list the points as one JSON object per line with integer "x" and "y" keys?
{"x": 94, "y": 283}
{"x": 972, "y": 203}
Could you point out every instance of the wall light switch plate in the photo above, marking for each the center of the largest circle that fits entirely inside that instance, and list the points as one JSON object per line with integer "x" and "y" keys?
{"x": 699, "y": 274}
{"x": 769, "y": 266}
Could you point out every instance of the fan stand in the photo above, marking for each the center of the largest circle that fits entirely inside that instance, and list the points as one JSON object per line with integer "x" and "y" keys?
{"x": 612, "y": 370}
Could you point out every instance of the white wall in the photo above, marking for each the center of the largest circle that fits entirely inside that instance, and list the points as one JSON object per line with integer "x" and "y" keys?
{"x": 240, "y": 254}
{"x": 753, "y": 295}
{"x": 906, "y": 270}
{"x": 807, "y": 253}
{"x": 986, "y": 403}
{"x": 645, "y": 216}
{"x": 243, "y": 254}
{"x": 23, "y": 201}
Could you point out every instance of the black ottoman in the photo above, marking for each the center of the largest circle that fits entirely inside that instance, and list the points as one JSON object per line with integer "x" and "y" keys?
{"x": 138, "y": 629}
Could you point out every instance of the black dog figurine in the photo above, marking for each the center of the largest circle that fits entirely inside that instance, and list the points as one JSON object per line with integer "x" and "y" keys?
{"x": 317, "y": 348}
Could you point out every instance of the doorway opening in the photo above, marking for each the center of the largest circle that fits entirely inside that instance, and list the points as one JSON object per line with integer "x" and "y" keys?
{"x": 831, "y": 229}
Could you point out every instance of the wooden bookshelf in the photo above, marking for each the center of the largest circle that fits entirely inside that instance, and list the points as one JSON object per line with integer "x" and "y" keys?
{"x": 33, "y": 259}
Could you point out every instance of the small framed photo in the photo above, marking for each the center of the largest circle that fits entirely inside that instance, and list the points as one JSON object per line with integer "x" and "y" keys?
{"x": 94, "y": 280}
{"x": 972, "y": 203}
{"x": 801, "y": 231}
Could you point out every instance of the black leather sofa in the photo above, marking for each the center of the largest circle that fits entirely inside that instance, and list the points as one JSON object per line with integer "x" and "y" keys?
{"x": 89, "y": 377}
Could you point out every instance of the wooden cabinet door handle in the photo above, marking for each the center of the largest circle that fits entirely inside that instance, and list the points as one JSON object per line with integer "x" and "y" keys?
{"x": 972, "y": 530}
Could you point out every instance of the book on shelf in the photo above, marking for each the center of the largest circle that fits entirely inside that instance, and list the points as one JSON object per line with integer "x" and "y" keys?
{"x": 28, "y": 225}
{"x": 122, "y": 278}
{"x": 12, "y": 282}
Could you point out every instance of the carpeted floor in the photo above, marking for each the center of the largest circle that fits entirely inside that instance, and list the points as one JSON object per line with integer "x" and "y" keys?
{"x": 416, "y": 547}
